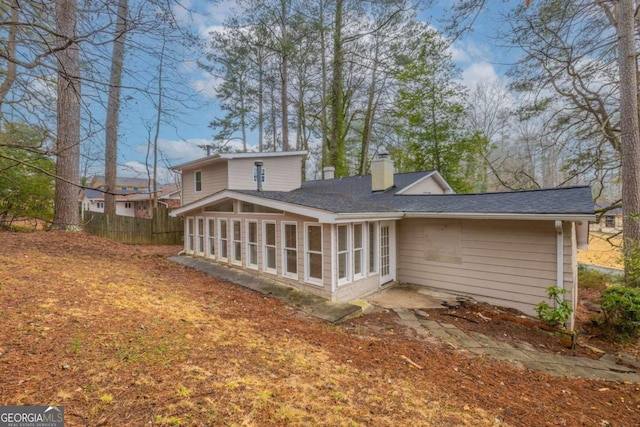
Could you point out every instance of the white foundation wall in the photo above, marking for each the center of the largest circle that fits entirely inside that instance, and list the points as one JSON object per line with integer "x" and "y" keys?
{"x": 502, "y": 262}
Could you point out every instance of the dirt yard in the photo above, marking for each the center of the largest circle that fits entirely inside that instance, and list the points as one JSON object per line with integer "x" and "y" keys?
{"x": 604, "y": 251}
{"x": 122, "y": 337}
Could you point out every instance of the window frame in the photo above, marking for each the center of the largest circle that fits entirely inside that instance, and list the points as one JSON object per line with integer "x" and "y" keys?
{"x": 308, "y": 252}
{"x": 266, "y": 246}
{"x": 361, "y": 252}
{"x": 210, "y": 238}
{"x": 197, "y": 181}
{"x": 285, "y": 248}
{"x": 373, "y": 247}
{"x": 200, "y": 236}
{"x": 346, "y": 252}
{"x": 236, "y": 245}
{"x": 251, "y": 245}
{"x": 223, "y": 242}
{"x": 189, "y": 246}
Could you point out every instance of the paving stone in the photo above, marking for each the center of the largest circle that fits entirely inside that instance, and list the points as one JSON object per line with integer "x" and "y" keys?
{"x": 449, "y": 326}
{"x": 405, "y": 314}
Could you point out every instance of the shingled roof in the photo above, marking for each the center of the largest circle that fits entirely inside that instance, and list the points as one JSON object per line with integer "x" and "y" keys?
{"x": 354, "y": 195}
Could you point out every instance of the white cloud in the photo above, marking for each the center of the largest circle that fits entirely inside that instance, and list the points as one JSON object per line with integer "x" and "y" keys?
{"x": 478, "y": 72}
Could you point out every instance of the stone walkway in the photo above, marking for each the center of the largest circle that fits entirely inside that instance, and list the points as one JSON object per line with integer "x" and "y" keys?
{"x": 523, "y": 355}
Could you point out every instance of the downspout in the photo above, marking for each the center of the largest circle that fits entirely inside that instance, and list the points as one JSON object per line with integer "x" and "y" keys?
{"x": 559, "y": 257}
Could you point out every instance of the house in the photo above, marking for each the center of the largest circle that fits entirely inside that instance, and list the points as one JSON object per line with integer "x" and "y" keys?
{"x": 122, "y": 183}
{"x": 134, "y": 203}
{"x": 610, "y": 221}
{"x": 344, "y": 238}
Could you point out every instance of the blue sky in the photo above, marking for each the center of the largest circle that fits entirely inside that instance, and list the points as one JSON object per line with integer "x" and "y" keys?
{"x": 476, "y": 55}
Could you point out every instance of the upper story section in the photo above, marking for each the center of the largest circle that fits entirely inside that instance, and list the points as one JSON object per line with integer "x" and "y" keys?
{"x": 281, "y": 171}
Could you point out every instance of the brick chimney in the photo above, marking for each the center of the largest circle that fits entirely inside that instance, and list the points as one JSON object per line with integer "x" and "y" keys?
{"x": 382, "y": 173}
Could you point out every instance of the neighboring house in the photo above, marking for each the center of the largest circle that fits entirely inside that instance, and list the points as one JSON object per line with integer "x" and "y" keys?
{"x": 122, "y": 183}
{"x": 131, "y": 203}
{"x": 344, "y": 238}
{"x": 610, "y": 222}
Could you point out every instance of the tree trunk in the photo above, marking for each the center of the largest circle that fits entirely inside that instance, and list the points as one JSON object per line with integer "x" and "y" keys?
{"x": 323, "y": 96}
{"x": 66, "y": 215}
{"x": 12, "y": 68}
{"x": 284, "y": 78}
{"x": 113, "y": 109}
{"x": 629, "y": 133}
{"x": 369, "y": 114}
{"x": 337, "y": 144}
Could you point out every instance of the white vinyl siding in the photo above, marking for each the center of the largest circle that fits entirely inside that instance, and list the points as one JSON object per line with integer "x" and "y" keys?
{"x": 269, "y": 247}
{"x": 252, "y": 244}
{"x": 290, "y": 249}
{"x": 313, "y": 254}
{"x": 224, "y": 240}
{"x": 236, "y": 243}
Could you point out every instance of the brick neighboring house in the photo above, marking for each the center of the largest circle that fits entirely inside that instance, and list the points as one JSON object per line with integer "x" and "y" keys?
{"x": 343, "y": 238}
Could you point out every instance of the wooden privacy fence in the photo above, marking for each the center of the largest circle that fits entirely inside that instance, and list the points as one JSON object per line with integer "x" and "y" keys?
{"x": 160, "y": 230}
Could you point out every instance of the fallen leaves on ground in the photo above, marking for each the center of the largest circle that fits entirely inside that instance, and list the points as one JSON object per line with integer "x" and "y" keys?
{"x": 122, "y": 337}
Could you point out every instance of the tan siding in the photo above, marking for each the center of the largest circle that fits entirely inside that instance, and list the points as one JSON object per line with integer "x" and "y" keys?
{"x": 508, "y": 263}
{"x": 427, "y": 186}
{"x": 281, "y": 174}
{"x": 214, "y": 179}
{"x": 357, "y": 289}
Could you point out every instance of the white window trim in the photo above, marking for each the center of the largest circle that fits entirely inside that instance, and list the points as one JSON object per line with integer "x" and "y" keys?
{"x": 200, "y": 236}
{"x": 209, "y": 236}
{"x": 189, "y": 234}
{"x": 283, "y": 229}
{"x": 307, "y": 269}
{"x": 347, "y": 279}
{"x": 363, "y": 265}
{"x": 195, "y": 181}
{"x": 221, "y": 240}
{"x": 233, "y": 242}
{"x": 265, "y": 267}
{"x": 249, "y": 243}
{"x": 376, "y": 243}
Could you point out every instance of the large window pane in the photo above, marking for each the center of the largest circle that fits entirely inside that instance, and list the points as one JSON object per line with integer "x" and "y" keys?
{"x": 223, "y": 238}
{"x": 314, "y": 253}
{"x": 270, "y": 247}
{"x": 290, "y": 249}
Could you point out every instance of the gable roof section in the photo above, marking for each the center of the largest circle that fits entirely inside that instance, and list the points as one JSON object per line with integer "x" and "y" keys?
{"x": 230, "y": 156}
{"x": 435, "y": 175}
{"x": 351, "y": 198}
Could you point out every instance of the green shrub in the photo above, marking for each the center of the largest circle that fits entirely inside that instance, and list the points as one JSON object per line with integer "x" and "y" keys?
{"x": 558, "y": 315}
{"x": 631, "y": 258}
{"x": 621, "y": 308}
{"x": 594, "y": 279}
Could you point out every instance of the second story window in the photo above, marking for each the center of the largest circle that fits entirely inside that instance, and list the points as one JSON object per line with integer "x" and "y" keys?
{"x": 198, "y": 180}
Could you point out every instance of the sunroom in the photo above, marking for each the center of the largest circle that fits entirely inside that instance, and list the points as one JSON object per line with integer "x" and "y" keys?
{"x": 338, "y": 261}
